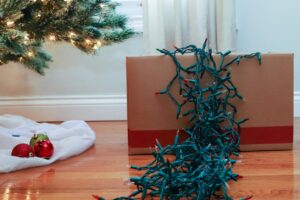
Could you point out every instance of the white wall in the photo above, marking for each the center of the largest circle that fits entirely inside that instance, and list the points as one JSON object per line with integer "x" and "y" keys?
{"x": 72, "y": 72}
{"x": 77, "y": 86}
{"x": 270, "y": 25}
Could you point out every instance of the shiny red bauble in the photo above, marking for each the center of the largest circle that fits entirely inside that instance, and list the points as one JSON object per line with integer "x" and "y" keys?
{"x": 23, "y": 150}
{"x": 44, "y": 149}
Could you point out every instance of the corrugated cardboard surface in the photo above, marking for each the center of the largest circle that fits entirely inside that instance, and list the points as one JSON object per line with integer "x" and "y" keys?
{"x": 267, "y": 88}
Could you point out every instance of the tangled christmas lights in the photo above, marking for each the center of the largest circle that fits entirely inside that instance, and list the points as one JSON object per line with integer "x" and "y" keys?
{"x": 200, "y": 166}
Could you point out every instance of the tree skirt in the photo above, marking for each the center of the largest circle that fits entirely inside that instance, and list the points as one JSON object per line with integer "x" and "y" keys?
{"x": 69, "y": 139}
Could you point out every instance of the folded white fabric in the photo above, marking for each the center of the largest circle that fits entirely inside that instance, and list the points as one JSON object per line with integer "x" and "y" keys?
{"x": 69, "y": 138}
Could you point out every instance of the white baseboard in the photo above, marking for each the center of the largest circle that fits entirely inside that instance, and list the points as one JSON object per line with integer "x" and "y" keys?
{"x": 61, "y": 108}
{"x": 297, "y": 104}
{"x": 89, "y": 108}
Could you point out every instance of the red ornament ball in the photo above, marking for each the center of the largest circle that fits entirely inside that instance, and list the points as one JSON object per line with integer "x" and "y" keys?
{"x": 23, "y": 150}
{"x": 44, "y": 149}
{"x": 37, "y": 137}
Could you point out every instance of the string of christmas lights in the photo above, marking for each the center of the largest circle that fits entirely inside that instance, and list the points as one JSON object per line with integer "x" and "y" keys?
{"x": 200, "y": 167}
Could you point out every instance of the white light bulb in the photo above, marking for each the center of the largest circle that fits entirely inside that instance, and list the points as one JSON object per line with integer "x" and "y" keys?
{"x": 30, "y": 54}
{"x": 52, "y": 37}
{"x": 10, "y": 23}
{"x": 88, "y": 41}
{"x": 72, "y": 34}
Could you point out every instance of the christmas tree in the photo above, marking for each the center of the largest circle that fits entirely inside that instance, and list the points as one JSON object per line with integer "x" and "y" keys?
{"x": 86, "y": 24}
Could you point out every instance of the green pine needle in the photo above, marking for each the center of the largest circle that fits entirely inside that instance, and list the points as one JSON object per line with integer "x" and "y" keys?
{"x": 86, "y": 24}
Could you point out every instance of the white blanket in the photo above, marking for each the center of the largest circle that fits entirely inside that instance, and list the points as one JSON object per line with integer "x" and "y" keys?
{"x": 69, "y": 138}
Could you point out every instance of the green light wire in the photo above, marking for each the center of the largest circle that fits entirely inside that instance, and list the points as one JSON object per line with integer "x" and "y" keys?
{"x": 202, "y": 164}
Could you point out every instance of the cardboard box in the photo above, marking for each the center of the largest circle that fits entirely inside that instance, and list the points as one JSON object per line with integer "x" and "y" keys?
{"x": 267, "y": 88}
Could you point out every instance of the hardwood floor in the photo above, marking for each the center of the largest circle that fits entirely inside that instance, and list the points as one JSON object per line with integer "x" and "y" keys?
{"x": 101, "y": 170}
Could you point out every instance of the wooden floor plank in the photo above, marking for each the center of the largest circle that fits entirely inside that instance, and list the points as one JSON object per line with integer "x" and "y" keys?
{"x": 103, "y": 169}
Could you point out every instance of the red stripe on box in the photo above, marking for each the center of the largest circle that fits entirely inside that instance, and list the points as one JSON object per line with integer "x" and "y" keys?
{"x": 249, "y": 135}
{"x": 267, "y": 135}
